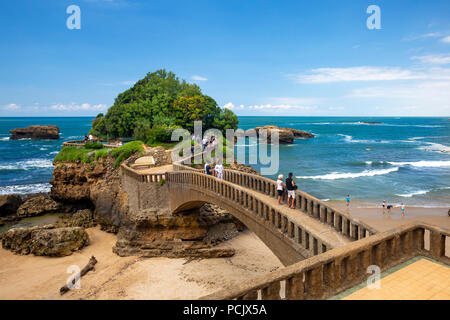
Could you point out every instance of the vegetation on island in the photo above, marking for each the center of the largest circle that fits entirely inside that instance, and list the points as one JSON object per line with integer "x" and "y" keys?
{"x": 158, "y": 104}
{"x": 91, "y": 152}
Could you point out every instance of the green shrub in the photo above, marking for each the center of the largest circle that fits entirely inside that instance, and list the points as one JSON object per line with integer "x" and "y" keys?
{"x": 93, "y": 145}
{"x": 102, "y": 153}
{"x": 160, "y": 134}
{"x": 125, "y": 151}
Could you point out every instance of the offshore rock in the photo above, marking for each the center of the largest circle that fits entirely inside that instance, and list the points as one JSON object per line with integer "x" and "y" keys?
{"x": 38, "y": 205}
{"x": 35, "y": 132}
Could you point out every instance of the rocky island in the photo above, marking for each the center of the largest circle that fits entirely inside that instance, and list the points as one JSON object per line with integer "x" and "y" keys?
{"x": 286, "y": 135}
{"x": 35, "y": 132}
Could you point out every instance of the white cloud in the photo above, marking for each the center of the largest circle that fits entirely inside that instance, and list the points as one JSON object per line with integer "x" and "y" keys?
{"x": 364, "y": 73}
{"x": 446, "y": 39}
{"x": 11, "y": 107}
{"x": 199, "y": 78}
{"x": 279, "y": 107}
{"x": 433, "y": 59}
{"x": 423, "y": 36}
{"x": 231, "y": 106}
{"x": 78, "y": 107}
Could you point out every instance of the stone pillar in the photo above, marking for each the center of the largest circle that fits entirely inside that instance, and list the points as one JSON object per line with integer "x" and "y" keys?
{"x": 251, "y": 295}
{"x": 344, "y": 226}
{"x": 323, "y": 214}
{"x": 418, "y": 239}
{"x": 271, "y": 292}
{"x": 314, "y": 283}
{"x": 328, "y": 216}
{"x": 316, "y": 210}
{"x": 437, "y": 244}
{"x": 295, "y": 288}
{"x": 330, "y": 277}
{"x": 304, "y": 202}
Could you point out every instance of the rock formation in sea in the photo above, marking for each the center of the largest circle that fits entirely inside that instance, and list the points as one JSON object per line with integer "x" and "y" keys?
{"x": 35, "y": 132}
{"x": 286, "y": 135}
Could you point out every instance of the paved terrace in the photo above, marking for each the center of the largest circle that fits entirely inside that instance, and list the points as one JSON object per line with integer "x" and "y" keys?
{"x": 293, "y": 235}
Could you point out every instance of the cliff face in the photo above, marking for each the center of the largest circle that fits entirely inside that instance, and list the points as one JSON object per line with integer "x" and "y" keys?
{"x": 150, "y": 232}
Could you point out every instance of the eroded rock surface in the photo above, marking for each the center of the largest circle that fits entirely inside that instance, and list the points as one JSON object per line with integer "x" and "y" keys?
{"x": 9, "y": 204}
{"x": 38, "y": 205}
{"x": 45, "y": 240}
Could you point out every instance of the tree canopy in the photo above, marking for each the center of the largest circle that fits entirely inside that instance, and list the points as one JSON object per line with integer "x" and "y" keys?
{"x": 161, "y": 100}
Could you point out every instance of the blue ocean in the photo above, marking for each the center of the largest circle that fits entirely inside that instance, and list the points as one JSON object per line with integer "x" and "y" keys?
{"x": 398, "y": 160}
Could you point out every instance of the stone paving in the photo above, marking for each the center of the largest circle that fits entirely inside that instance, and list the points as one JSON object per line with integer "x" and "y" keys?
{"x": 419, "y": 279}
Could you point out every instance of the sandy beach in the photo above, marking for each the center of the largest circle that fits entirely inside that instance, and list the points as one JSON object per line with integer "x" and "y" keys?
{"x": 373, "y": 215}
{"x": 114, "y": 277}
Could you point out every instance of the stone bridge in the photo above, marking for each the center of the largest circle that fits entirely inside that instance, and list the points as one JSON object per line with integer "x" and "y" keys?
{"x": 293, "y": 235}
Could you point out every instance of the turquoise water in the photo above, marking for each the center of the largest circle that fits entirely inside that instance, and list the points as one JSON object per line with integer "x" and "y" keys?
{"x": 401, "y": 159}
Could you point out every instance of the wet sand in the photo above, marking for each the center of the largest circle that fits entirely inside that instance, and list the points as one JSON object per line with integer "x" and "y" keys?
{"x": 373, "y": 215}
{"x": 31, "y": 277}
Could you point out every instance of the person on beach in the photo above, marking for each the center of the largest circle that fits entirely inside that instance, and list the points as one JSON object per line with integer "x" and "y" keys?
{"x": 280, "y": 187}
{"x": 219, "y": 170}
{"x": 91, "y": 137}
{"x": 290, "y": 186}
{"x": 208, "y": 169}
{"x": 383, "y": 205}
{"x": 403, "y": 209}
{"x": 348, "y": 200}
{"x": 389, "y": 207}
{"x": 85, "y": 138}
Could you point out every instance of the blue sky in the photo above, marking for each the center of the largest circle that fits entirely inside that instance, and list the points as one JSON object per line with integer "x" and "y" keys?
{"x": 300, "y": 58}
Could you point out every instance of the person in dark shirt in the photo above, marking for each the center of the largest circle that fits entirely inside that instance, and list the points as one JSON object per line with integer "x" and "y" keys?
{"x": 208, "y": 169}
{"x": 290, "y": 186}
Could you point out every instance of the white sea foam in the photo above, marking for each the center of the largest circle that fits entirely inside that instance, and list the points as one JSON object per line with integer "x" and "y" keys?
{"x": 436, "y": 147}
{"x": 415, "y": 193}
{"x": 338, "y": 175}
{"x": 27, "y": 164}
{"x": 422, "y": 164}
{"x": 54, "y": 152}
{"x": 351, "y": 140}
{"x": 4, "y": 139}
{"x": 25, "y": 188}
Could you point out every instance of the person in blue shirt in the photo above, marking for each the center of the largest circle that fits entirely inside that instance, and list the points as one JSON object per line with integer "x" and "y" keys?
{"x": 348, "y": 200}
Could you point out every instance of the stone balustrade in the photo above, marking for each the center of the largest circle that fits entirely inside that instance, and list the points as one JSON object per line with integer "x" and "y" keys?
{"x": 340, "y": 221}
{"x": 334, "y": 271}
{"x": 78, "y": 143}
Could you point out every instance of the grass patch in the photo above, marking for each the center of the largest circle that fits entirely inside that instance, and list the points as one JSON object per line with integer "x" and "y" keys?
{"x": 73, "y": 154}
{"x": 88, "y": 155}
{"x": 165, "y": 145}
{"x": 125, "y": 151}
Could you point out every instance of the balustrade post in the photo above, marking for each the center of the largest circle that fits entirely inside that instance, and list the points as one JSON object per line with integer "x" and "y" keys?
{"x": 437, "y": 244}
{"x": 295, "y": 288}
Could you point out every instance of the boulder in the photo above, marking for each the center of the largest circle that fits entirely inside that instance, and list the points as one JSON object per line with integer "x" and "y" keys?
{"x": 9, "y": 204}
{"x": 81, "y": 218}
{"x": 45, "y": 240}
{"x": 35, "y": 132}
{"x": 37, "y": 205}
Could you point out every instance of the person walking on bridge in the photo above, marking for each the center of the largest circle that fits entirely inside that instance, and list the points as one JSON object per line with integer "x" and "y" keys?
{"x": 208, "y": 169}
{"x": 219, "y": 169}
{"x": 290, "y": 186}
{"x": 280, "y": 187}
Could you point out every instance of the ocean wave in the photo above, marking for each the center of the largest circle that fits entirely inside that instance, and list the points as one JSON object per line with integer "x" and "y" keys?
{"x": 415, "y": 193}
{"x": 350, "y": 139}
{"x": 338, "y": 175}
{"x": 360, "y": 123}
{"x": 422, "y": 164}
{"x": 28, "y": 164}
{"x": 25, "y": 188}
{"x": 436, "y": 147}
{"x": 4, "y": 139}
{"x": 54, "y": 152}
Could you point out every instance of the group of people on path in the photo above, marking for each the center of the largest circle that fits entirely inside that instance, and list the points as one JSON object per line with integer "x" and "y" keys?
{"x": 217, "y": 170}
{"x": 290, "y": 186}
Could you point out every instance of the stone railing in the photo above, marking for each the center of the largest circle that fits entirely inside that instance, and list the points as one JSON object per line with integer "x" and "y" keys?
{"x": 305, "y": 240}
{"x": 310, "y": 241}
{"x": 143, "y": 177}
{"x": 334, "y": 271}
{"x": 340, "y": 221}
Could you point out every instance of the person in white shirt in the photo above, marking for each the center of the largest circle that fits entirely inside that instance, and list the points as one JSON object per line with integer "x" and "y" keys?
{"x": 280, "y": 187}
{"x": 204, "y": 142}
{"x": 219, "y": 170}
{"x": 91, "y": 137}
{"x": 403, "y": 209}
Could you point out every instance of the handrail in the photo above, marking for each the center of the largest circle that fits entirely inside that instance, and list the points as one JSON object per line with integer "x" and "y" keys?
{"x": 334, "y": 271}
{"x": 318, "y": 209}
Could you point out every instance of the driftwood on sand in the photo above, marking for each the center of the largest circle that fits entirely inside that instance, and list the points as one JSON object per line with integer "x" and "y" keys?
{"x": 86, "y": 269}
